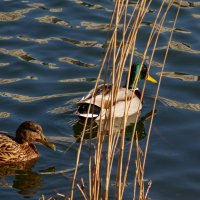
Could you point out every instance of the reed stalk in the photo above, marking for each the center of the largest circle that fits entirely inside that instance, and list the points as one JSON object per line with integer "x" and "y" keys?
{"x": 124, "y": 23}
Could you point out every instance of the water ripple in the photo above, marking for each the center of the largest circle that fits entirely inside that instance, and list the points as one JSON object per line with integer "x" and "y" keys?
{"x": 185, "y": 4}
{"x": 196, "y": 16}
{"x": 22, "y": 55}
{"x": 12, "y": 80}
{"x": 181, "y": 76}
{"x": 96, "y": 26}
{"x": 89, "y": 5}
{"x": 69, "y": 107}
{"x": 180, "y": 105}
{"x": 28, "y": 99}
{"x": 81, "y": 43}
{"x": 4, "y": 114}
{"x": 5, "y": 37}
{"x": 52, "y": 20}
{"x": 59, "y": 110}
{"x": 4, "y": 64}
{"x": 178, "y": 46}
{"x": 74, "y": 80}
{"x": 72, "y": 41}
{"x": 164, "y": 29}
{"x": 76, "y": 62}
{"x": 28, "y": 39}
{"x": 42, "y": 6}
{"x": 14, "y": 15}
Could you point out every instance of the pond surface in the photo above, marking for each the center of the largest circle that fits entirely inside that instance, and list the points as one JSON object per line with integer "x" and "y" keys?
{"x": 50, "y": 52}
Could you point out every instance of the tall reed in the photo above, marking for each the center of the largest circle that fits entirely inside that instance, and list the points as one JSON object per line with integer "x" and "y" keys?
{"x": 110, "y": 142}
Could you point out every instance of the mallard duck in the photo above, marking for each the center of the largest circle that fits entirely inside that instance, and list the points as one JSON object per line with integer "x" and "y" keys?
{"x": 21, "y": 148}
{"x": 100, "y": 106}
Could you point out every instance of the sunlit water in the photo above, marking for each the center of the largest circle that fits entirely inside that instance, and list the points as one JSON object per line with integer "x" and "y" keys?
{"x": 50, "y": 52}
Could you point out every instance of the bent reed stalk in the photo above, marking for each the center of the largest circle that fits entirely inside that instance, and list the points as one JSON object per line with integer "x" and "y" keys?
{"x": 110, "y": 143}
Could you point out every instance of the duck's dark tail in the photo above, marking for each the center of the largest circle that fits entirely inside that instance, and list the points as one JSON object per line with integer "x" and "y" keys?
{"x": 82, "y": 111}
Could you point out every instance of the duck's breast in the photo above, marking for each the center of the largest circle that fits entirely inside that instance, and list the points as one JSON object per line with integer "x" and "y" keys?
{"x": 11, "y": 151}
{"x": 131, "y": 107}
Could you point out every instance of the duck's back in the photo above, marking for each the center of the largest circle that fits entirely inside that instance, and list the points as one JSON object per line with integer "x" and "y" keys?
{"x": 11, "y": 151}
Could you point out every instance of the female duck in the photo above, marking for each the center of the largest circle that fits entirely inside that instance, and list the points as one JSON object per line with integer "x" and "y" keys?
{"x": 21, "y": 148}
{"x": 100, "y": 100}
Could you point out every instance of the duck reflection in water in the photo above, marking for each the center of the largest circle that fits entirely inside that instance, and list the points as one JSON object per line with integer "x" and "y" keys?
{"x": 25, "y": 180}
{"x": 92, "y": 127}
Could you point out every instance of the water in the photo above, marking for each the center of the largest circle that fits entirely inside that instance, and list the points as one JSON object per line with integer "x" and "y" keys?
{"x": 50, "y": 56}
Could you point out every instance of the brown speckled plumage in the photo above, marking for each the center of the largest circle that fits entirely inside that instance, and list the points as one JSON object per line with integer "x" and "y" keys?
{"x": 21, "y": 148}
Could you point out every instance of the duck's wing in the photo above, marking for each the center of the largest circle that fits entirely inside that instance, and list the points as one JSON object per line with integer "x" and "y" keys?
{"x": 95, "y": 96}
{"x": 133, "y": 104}
{"x": 123, "y": 96}
{"x": 9, "y": 149}
{"x": 104, "y": 90}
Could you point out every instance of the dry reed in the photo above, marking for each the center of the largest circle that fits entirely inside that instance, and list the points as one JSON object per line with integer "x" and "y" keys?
{"x": 110, "y": 143}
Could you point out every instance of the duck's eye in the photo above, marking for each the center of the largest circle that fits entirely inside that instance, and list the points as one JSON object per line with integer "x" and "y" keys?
{"x": 143, "y": 73}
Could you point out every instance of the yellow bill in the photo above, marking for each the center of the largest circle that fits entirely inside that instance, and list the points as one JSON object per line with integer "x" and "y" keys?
{"x": 151, "y": 79}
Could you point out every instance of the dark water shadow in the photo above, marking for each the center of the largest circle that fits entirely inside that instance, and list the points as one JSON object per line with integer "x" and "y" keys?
{"x": 92, "y": 127}
{"x": 25, "y": 180}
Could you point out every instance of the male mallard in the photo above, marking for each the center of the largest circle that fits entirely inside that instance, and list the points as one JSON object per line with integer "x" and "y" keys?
{"x": 21, "y": 148}
{"x": 100, "y": 106}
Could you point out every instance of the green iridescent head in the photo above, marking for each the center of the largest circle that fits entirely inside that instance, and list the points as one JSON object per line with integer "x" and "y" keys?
{"x": 135, "y": 69}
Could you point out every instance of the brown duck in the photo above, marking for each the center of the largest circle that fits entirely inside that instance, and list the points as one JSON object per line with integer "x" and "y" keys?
{"x": 21, "y": 148}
